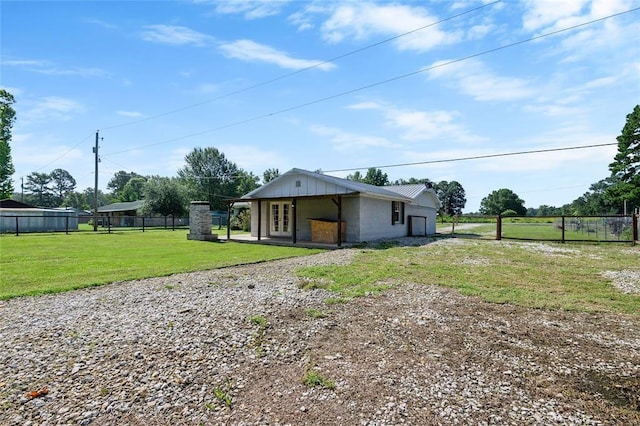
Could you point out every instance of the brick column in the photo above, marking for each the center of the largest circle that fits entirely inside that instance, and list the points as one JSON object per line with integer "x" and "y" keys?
{"x": 200, "y": 222}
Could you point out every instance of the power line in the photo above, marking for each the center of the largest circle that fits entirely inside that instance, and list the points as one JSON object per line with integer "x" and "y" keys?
{"x": 475, "y": 157}
{"x": 319, "y": 64}
{"x": 379, "y": 83}
{"x": 65, "y": 153}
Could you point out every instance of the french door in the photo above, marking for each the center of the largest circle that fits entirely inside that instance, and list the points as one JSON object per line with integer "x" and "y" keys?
{"x": 280, "y": 225}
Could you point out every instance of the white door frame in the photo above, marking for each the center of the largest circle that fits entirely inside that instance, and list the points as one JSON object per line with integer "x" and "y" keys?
{"x": 280, "y": 218}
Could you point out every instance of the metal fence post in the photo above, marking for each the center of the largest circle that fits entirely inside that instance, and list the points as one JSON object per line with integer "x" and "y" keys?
{"x": 563, "y": 229}
{"x": 17, "y": 230}
{"x": 634, "y": 225}
{"x": 499, "y": 228}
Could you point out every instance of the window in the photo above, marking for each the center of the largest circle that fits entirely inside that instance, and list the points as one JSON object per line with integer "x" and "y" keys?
{"x": 397, "y": 212}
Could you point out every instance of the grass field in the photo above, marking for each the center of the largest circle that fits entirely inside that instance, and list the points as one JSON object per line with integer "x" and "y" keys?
{"x": 49, "y": 263}
{"x": 540, "y": 230}
{"x": 552, "y": 276}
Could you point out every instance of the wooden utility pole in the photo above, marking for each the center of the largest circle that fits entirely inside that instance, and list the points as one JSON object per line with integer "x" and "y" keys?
{"x": 95, "y": 188}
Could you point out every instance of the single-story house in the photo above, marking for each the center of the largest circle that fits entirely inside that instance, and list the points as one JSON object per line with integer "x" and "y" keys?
{"x": 17, "y": 217}
{"x": 120, "y": 214}
{"x": 306, "y": 206}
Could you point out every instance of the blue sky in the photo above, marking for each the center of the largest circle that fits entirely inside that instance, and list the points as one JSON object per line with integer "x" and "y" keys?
{"x": 256, "y": 80}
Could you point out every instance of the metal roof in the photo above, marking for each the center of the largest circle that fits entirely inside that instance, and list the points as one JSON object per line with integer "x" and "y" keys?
{"x": 121, "y": 207}
{"x": 345, "y": 185}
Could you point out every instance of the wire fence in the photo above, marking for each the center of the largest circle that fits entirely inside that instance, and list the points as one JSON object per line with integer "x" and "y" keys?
{"x": 601, "y": 229}
{"x": 65, "y": 223}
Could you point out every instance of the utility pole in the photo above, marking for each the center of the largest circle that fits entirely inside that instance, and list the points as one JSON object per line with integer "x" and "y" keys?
{"x": 22, "y": 188}
{"x": 95, "y": 188}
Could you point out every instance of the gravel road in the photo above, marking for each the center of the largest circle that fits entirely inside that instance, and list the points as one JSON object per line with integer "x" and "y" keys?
{"x": 233, "y": 346}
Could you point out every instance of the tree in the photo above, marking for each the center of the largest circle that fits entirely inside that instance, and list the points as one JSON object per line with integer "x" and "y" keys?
{"x": 211, "y": 176}
{"x": 625, "y": 168}
{"x": 452, "y": 197}
{"x": 247, "y": 182}
{"x": 595, "y": 201}
{"x": 118, "y": 182}
{"x": 356, "y": 176}
{"x": 413, "y": 181}
{"x": 133, "y": 189}
{"x": 103, "y": 199}
{"x": 626, "y": 163}
{"x": 7, "y": 118}
{"x": 62, "y": 183}
{"x": 77, "y": 200}
{"x": 269, "y": 175}
{"x": 376, "y": 177}
{"x": 165, "y": 196}
{"x": 373, "y": 177}
{"x": 501, "y": 200}
{"x": 37, "y": 185}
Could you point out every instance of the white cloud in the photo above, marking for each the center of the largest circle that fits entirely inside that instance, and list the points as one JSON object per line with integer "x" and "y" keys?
{"x": 419, "y": 125}
{"x": 175, "y": 35}
{"x": 131, "y": 114}
{"x": 101, "y": 23}
{"x": 251, "y": 157}
{"x": 31, "y": 152}
{"x": 543, "y": 13}
{"x": 349, "y": 142}
{"x": 251, "y": 51}
{"x": 362, "y": 20}
{"x": 49, "y": 68}
{"x": 251, "y": 9}
{"x": 549, "y": 15}
{"x": 52, "y": 108}
{"x": 473, "y": 78}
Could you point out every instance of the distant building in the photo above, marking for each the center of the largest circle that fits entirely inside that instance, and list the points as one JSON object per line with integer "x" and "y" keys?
{"x": 17, "y": 217}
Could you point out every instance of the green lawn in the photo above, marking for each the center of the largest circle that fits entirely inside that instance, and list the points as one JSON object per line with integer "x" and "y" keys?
{"x": 551, "y": 276}
{"x": 48, "y": 263}
{"x": 568, "y": 277}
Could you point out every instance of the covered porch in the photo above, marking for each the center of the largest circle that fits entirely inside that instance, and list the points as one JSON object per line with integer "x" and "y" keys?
{"x": 305, "y": 221}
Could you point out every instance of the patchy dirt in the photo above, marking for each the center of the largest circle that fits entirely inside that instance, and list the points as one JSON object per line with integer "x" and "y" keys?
{"x": 200, "y": 353}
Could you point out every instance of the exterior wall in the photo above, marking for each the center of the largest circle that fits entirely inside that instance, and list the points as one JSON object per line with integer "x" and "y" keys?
{"x": 376, "y": 221}
{"x": 300, "y": 185}
{"x": 367, "y": 219}
{"x": 37, "y": 220}
{"x": 419, "y": 223}
{"x": 254, "y": 218}
{"x": 325, "y": 208}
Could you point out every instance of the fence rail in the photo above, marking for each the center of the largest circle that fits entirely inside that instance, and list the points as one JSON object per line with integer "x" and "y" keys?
{"x": 604, "y": 228}
{"x": 22, "y": 224}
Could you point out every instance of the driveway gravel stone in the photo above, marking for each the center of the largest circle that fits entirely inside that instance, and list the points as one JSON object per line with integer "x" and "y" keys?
{"x": 234, "y": 346}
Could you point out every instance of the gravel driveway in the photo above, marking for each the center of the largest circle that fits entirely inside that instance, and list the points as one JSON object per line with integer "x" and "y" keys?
{"x": 232, "y": 346}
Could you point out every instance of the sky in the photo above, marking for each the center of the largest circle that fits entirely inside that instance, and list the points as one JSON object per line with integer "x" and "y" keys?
{"x": 338, "y": 86}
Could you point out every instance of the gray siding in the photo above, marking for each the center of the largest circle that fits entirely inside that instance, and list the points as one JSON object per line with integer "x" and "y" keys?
{"x": 418, "y": 224}
{"x": 37, "y": 220}
{"x": 378, "y": 221}
{"x": 299, "y": 185}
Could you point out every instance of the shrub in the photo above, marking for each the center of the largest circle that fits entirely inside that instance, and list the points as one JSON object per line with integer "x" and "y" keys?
{"x": 242, "y": 221}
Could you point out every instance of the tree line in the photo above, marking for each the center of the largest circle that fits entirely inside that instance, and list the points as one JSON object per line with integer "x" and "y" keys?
{"x": 208, "y": 175}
